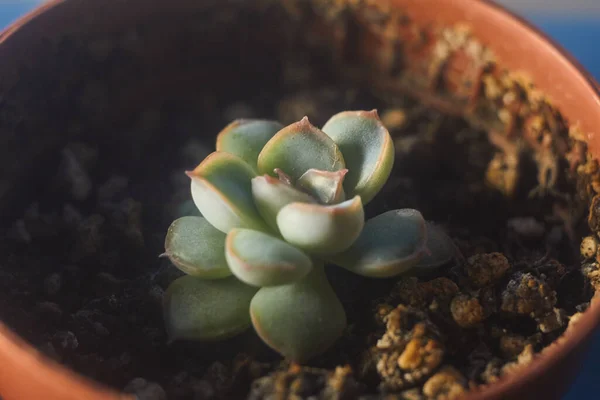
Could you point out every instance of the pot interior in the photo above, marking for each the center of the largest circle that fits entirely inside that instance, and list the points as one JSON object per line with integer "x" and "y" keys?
{"x": 100, "y": 118}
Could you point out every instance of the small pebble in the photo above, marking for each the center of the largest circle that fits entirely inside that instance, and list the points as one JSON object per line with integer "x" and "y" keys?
{"x": 485, "y": 269}
{"x": 179, "y": 378}
{"x": 156, "y": 294}
{"x": 49, "y": 311}
{"x": 125, "y": 358}
{"x": 65, "y": 340}
{"x": 553, "y": 321}
{"x": 527, "y": 227}
{"x": 466, "y": 311}
{"x": 49, "y": 350}
{"x": 108, "y": 279}
{"x": 512, "y": 345}
{"x": 100, "y": 49}
{"x": 52, "y": 284}
{"x": 78, "y": 178}
{"x": 145, "y": 390}
{"x": 527, "y": 294}
{"x": 111, "y": 188}
{"x": 218, "y": 375}
{"x": 447, "y": 384}
{"x": 589, "y": 247}
{"x": 100, "y": 329}
{"x": 20, "y": 232}
{"x": 32, "y": 212}
{"x": 71, "y": 215}
{"x": 202, "y": 389}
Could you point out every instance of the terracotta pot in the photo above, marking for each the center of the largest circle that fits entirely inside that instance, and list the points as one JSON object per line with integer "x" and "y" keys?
{"x": 26, "y": 374}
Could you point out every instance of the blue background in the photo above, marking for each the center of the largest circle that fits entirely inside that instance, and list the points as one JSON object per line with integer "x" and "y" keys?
{"x": 578, "y": 34}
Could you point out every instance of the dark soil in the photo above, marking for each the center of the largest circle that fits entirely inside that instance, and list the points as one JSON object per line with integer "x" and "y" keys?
{"x": 80, "y": 276}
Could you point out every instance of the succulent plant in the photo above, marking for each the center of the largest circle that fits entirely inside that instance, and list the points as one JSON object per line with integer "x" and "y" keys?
{"x": 277, "y": 204}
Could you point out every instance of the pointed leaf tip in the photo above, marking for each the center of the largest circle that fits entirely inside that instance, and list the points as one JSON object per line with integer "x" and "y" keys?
{"x": 260, "y": 260}
{"x": 326, "y": 186}
{"x": 245, "y": 138}
{"x": 283, "y": 177}
{"x": 368, "y": 151}
{"x": 197, "y": 309}
{"x": 300, "y": 320}
{"x": 222, "y": 190}
{"x": 197, "y": 248}
{"x": 321, "y": 229}
{"x": 297, "y": 148}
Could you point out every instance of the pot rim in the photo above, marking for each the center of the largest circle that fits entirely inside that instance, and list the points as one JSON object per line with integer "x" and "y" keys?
{"x": 14, "y": 348}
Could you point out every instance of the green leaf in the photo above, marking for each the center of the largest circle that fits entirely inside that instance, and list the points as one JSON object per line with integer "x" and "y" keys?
{"x": 300, "y": 320}
{"x": 271, "y": 195}
{"x": 324, "y": 185}
{"x": 321, "y": 229}
{"x": 390, "y": 244}
{"x": 197, "y": 248}
{"x": 440, "y": 249}
{"x": 245, "y": 138}
{"x": 197, "y": 309}
{"x": 259, "y": 259}
{"x": 222, "y": 190}
{"x": 368, "y": 151}
{"x": 297, "y": 148}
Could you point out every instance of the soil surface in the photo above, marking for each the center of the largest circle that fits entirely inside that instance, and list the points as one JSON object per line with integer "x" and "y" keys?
{"x": 80, "y": 276}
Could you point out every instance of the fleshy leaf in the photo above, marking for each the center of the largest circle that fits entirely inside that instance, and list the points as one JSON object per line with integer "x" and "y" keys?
{"x": 324, "y": 185}
{"x": 390, "y": 244}
{"x": 440, "y": 248}
{"x": 198, "y": 309}
{"x": 222, "y": 191}
{"x": 321, "y": 229}
{"x": 197, "y": 248}
{"x": 368, "y": 151}
{"x": 300, "y": 320}
{"x": 297, "y": 148}
{"x": 272, "y": 194}
{"x": 259, "y": 259}
{"x": 245, "y": 138}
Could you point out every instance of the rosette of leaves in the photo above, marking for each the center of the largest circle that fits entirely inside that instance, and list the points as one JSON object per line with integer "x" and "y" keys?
{"x": 277, "y": 203}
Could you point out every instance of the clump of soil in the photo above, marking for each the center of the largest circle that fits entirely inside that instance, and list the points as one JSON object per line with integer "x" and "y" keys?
{"x": 81, "y": 278}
